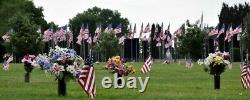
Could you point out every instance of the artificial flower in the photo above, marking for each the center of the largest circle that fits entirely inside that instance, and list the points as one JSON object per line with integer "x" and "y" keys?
{"x": 56, "y": 69}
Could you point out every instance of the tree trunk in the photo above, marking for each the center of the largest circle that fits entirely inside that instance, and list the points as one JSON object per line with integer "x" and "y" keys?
{"x": 216, "y": 81}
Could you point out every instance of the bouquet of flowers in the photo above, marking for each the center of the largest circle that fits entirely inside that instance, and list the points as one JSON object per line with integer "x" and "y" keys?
{"x": 117, "y": 65}
{"x": 216, "y": 63}
{"x": 61, "y": 62}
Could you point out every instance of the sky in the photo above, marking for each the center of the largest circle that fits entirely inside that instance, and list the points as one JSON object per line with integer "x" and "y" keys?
{"x": 175, "y": 12}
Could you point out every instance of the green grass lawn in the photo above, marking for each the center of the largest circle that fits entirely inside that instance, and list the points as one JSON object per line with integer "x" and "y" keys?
{"x": 167, "y": 81}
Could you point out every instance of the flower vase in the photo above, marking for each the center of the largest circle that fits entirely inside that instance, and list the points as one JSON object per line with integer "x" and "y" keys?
{"x": 28, "y": 68}
{"x": 119, "y": 82}
{"x": 216, "y": 81}
{"x": 61, "y": 87}
{"x": 27, "y": 77}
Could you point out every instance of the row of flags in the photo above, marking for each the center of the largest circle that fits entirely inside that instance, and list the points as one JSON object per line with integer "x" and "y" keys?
{"x": 163, "y": 38}
{"x": 84, "y": 35}
{"x": 230, "y": 32}
{"x": 159, "y": 36}
{"x": 58, "y": 36}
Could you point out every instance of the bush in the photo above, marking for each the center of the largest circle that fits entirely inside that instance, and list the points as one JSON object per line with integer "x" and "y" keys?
{"x": 107, "y": 46}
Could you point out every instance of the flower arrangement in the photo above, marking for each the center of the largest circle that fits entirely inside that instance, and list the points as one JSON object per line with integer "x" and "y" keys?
{"x": 117, "y": 65}
{"x": 61, "y": 62}
{"x": 216, "y": 62}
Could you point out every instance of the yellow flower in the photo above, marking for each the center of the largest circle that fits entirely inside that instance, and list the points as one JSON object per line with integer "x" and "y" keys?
{"x": 116, "y": 60}
{"x": 131, "y": 69}
{"x": 218, "y": 60}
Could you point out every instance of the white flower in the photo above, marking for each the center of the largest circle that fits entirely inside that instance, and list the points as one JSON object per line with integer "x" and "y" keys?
{"x": 226, "y": 62}
{"x": 71, "y": 69}
{"x": 211, "y": 55}
{"x": 200, "y": 62}
{"x": 34, "y": 63}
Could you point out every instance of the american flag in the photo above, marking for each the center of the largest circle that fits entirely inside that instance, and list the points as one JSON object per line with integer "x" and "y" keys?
{"x": 162, "y": 35}
{"x": 118, "y": 29}
{"x": 147, "y": 29}
{"x": 87, "y": 78}
{"x": 130, "y": 32}
{"x": 81, "y": 35}
{"x": 97, "y": 33}
{"x": 86, "y": 33}
{"x": 245, "y": 76}
{"x": 222, "y": 30}
{"x": 141, "y": 30}
{"x": 214, "y": 32}
{"x": 7, "y": 61}
{"x": 180, "y": 31}
{"x": 147, "y": 65}
{"x": 134, "y": 31}
{"x": 108, "y": 29}
{"x": 238, "y": 29}
{"x": 229, "y": 34}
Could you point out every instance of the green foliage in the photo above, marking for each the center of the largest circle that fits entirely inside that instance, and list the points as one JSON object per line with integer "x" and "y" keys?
{"x": 9, "y": 8}
{"x": 233, "y": 14}
{"x": 191, "y": 43}
{"x": 96, "y": 16}
{"x": 246, "y": 34}
{"x": 24, "y": 19}
{"x": 24, "y": 38}
{"x": 107, "y": 45}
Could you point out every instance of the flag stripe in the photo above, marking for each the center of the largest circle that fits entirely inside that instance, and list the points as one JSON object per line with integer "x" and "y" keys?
{"x": 245, "y": 76}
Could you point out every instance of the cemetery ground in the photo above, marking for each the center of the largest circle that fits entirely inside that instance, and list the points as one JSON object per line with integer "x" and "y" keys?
{"x": 167, "y": 81}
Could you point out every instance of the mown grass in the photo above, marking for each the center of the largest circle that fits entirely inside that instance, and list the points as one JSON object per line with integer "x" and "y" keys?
{"x": 167, "y": 81}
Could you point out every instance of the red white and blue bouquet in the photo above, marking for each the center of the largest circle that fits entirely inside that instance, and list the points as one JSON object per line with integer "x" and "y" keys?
{"x": 62, "y": 62}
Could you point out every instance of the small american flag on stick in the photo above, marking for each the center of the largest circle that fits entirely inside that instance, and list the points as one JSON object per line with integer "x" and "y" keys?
{"x": 245, "y": 76}
{"x": 147, "y": 65}
{"x": 87, "y": 78}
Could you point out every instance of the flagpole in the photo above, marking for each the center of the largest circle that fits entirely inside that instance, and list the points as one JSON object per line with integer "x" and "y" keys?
{"x": 136, "y": 51}
{"x": 143, "y": 48}
{"x": 131, "y": 49}
{"x": 159, "y": 50}
{"x": 224, "y": 44}
{"x": 83, "y": 49}
{"x": 232, "y": 48}
{"x": 241, "y": 53}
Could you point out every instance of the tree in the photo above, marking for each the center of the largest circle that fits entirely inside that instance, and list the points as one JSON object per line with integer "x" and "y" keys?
{"x": 108, "y": 45}
{"x": 96, "y": 16}
{"x": 246, "y": 35}
{"x": 234, "y": 14}
{"x": 8, "y": 9}
{"x": 191, "y": 43}
{"x": 24, "y": 39}
{"x": 231, "y": 16}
